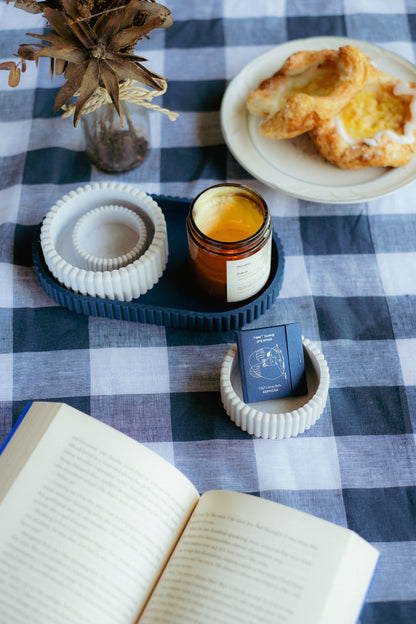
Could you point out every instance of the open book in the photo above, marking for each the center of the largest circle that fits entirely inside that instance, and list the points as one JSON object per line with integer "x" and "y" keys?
{"x": 95, "y": 527}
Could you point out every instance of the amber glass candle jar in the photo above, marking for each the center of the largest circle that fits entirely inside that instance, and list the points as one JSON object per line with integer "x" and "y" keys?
{"x": 229, "y": 232}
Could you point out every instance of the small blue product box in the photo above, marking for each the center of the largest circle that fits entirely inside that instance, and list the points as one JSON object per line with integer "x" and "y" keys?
{"x": 272, "y": 363}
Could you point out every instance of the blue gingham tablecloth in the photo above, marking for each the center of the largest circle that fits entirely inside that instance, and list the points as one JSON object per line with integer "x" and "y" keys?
{"x": 350, "y": 280}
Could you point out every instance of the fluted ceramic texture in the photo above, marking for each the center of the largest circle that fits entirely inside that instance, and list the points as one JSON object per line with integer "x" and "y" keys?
{"x": 274, "y": 419}
{"x": 86, "y": 237}
{"x": 122, "y": 284}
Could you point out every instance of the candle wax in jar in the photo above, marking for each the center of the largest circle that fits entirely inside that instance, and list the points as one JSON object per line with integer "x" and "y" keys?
{"x": 227, "y": 218}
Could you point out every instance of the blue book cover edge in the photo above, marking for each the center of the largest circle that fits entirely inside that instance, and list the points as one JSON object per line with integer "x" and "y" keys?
{"x": 14, "y": 429}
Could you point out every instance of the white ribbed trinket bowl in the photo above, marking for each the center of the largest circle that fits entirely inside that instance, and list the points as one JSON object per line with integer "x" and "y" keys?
{"x": 278, "y": 418}
{"x": 110, "y": 207}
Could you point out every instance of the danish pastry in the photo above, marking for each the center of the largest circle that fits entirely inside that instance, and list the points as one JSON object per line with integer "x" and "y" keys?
{"x": 377, "y": 128}
{"x": 310, "y": 87}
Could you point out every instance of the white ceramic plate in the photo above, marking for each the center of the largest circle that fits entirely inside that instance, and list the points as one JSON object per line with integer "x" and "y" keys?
{"x": 293, "y": 165}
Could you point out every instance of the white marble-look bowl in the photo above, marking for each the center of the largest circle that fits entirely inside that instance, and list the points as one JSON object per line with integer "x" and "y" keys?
{"x": 66, "y": 264}
{"x": 278, "y": 418}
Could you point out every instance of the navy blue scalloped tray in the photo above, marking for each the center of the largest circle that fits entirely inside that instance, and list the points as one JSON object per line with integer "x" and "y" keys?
{"x": 172, "y": 302}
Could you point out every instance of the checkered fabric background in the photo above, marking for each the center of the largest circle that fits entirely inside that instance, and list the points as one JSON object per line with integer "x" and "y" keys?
{"x": 350, "y": 280}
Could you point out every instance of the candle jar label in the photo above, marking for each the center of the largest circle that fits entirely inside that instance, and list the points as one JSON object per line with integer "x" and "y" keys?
{"x": 247, "y": 276}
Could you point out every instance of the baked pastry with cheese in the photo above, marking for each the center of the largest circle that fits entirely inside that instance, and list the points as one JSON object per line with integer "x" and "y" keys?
{"x": 310, "y": 87}
{"x": 377, "y": 128}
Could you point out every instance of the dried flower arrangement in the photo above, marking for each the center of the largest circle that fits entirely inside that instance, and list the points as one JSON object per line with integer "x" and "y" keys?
{"x": 92, "y": 44}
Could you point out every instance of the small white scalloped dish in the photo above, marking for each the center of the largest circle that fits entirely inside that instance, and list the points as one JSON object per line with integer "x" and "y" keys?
{"x": 66, "y": 263}
{"x": 278, "y": 418}
{"x": 109, "y": 237}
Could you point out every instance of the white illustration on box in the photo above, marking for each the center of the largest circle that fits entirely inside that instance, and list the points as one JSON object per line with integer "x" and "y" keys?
{"x": 267, "y": 363}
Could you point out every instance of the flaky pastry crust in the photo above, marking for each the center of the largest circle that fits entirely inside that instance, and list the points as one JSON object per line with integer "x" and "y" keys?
{"x": 310, "y": 87}
{"x": 379, "y": 149}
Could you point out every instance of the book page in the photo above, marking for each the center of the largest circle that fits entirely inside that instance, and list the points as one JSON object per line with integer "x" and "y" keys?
{"x": 88, "y": 525}
{"x": 28, "y": 432}
{"x": 243, "y": 559}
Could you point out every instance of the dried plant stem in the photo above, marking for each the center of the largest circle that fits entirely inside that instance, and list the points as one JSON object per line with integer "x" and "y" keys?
{"x": 94, "y": 15}
{"x": 131, "y": 91}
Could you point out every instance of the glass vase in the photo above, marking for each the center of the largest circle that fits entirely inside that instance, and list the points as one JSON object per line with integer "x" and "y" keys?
{"x": 116, "y": 147}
